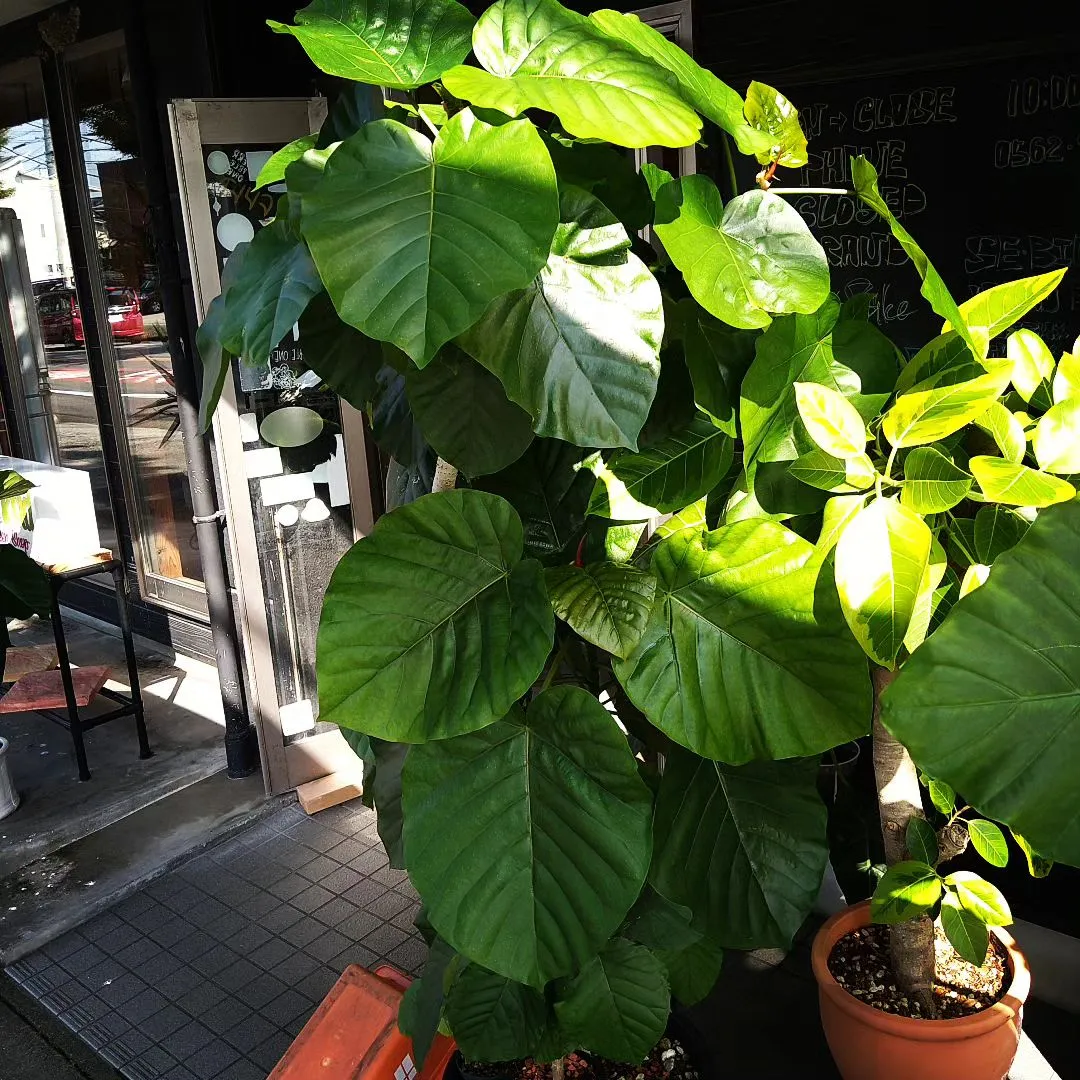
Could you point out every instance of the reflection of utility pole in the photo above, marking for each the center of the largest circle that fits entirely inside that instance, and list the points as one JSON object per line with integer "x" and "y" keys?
{"x": 63, "y": 255}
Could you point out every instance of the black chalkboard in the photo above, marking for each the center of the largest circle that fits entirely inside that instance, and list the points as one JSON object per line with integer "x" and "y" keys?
{"x": 981, "y": 164}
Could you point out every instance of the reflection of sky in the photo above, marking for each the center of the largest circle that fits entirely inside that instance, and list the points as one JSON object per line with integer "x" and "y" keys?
{"x": 28, "y": 142}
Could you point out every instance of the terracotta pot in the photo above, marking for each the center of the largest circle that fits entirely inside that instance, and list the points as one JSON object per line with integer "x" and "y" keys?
{"x": 868, "y": 1044}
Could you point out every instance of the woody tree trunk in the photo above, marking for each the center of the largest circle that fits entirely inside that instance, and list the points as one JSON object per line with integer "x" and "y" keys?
{"x": 899, "y": 800}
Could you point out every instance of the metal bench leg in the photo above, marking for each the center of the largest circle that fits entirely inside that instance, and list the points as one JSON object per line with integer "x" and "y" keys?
{"x": 69, "y": 686}
{"x": 120, "y": 581}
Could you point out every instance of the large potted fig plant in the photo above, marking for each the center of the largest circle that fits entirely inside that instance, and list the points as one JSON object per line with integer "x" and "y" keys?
{"x": 592, "y": 672}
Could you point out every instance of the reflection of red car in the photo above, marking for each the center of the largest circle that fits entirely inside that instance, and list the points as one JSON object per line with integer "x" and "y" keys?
{"x": 61, "y": 322}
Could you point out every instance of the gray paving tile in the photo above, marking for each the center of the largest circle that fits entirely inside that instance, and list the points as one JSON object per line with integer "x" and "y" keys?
{"x": 281, "y": 918}
{"x": 64, "y": 945}
{"x": 240, "y": 974}
{"x": 201, "y": 999}
{"x": 250, "y": 938}
{"x": 271, "y": 954}
{"x": 226, "y": 1015}
{"x": 151, "y": 917}
{"x": 215, "y": 960}
{"x": 205, "y": 912}
{"x": 318, "y": 868}
{"x": 371, "y": 860}
{"x": 234, "y": 890}
{"x": 327, "y": 945}
{"x": 121, "y": 990}
{"x": 133, "y": 905}
{"x": 260, "y": 991}
{"x": 180, "y": 1073}
{"x": 192, "y": 945}
{"x": 104, "y": 1030}
{"x": 286, "y": 1007}
{"x": 152, "y": 1064}
{"x": 100, "y": 925}
{"x": 212, "y": 1060}
{"x": 161, "y": 965}
{"x": 143, "y": 1005}
{"x": 179, "y": 982}
{"x": 180, "y": 897}
{"x": 261, "y": 903}
{"x": 385, "y": 938}
{"x": 358, "y": 925}
{"x": 47, "y": 979}
{"x": 303, "y": 932}
{"x": 389, "y": 877}
{"x": 315, "y": 836}
{"x": 119, "y": 938}
{"x": 364, "y": 892}
{"x": 355, "y": 953}
{"x": 409, "y": 956}
{"x": 228, "y": 925}
{"x": 336, "y": 911}
{"x": 289, "y": 886}
{"x": 138, "y": 952}
{"x": 243, "y": 1070}
{"x": 348, "y": 850}
{"x": 388, "y": 905}
{"x": 406, "y": 919}
{"x": 86, "y": 1012}
{"x": 317, "y": 985}
{"x": 66, "y": 996}
{"x": 250, "y": 1033}
{"x": 82, "y": 960}
{"x": 165, "y": 1022}
{"x": 270, "y": 1052}
{"x": 170, "y": 930}
{"x": 340, "y": 879}
{"x": 295, "y": 968}
{"x": 188, "y": 1040}
{"x": 312, "y": 898}
{"x": 131, "y": 1045}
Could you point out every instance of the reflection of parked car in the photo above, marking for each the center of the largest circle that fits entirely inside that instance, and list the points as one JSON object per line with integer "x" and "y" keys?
{"x": 150, "y": 296}
{"x": 61, "y": 322}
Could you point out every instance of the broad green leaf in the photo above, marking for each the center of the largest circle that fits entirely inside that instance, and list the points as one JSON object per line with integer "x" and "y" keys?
{"x": 1066, "y": 385}
{"x": 881, "y": 558}
{"x": 865, "y": 179}
{"x": 494, "y": 1018}
{"x": 935, "y": 360}
{"x": 1038, "y": 866}
{"x": 538, "y": 55}
{"x": 656, "y": 178}
{"x": 1032, "y": 361}
{"x": 922, "y": 615}
{"x": 932, "y": 483}
{"x": 274, "y": 169}
{"x": 395, "y": 43}
{"x": 769, "y": 112}
{"x": 618, "y": 1004}
{"x": 421, "y": 1008}
{"x": 929, "y": 412}
{"x": 24, "y": 588}
{"x": 699, "y": 87}
{"x": 966, "y": 933}
{"x": 606, "y": 604}
{"x": 392, "y": 422}
{"x": 942, "y": 796}
{"x": 1056, "y": 441}
{"x": 692, "y": 972}
{"x": 550, "y": 489}
{"x": 821, "y": 470}
{"x": 611, "y": 499}
{"x": 992, "y": 312}
{"x": 785, "y": 678}
{"x": 465, "y": 415}
{"x": 415, "y": 239}
{"x": 607, "y": 173}
{"x": 779, "y": 494}
{"x": 838, "y": 513}
{"x": 689, "y": 517}
{"x": 1017, "y": 485}
{"x": 906, "y": 891}
{"x": 989, "y": 841}
{"x": 529, "y": 841}
{"x": 991, "y": 702}
{"x": 980, "y": 898}
{"x": 212, "y": 353}
{"x": 996, "y": 530}
{"x": 383, "y": 784}
{"x": 678, "y": 470}
{"x": 975, "y": 575}
{"x": 416, "y": 612}
{"x": 346, "y": 360}
{"x": 659, "y": 923}
{"x": 859, "y": 345}
{"x": 579, "y": 347}
{"x": 743, "y": 847}
{"x": 744, "y": 261}
{"x": 1006, "y": 431}
{"x": 621, "y": 542}
{"x": 831, "y": 420}
{"x": 921, "y": 841}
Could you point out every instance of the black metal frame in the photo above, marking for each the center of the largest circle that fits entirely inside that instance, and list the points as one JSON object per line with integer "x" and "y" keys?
{"x": 131, "y": 704}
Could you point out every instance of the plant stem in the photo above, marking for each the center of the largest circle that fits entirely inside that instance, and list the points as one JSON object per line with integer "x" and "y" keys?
{"x": 556, "y": 663}
{"x": 729, "y": 162}
{"x": 558, "y": 1069}
{"x": 445, "y": 476}
{"x": 899, "y": 800}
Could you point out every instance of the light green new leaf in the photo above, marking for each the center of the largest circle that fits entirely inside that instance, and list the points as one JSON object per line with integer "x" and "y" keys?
{"x": 618, "y": 1004}
{"x": 980, "y": 898}
{"x": 769, "y": 112}
{"x": 831, "y": 420}
{"x": 744, "y": 261}
{"x": 975, "y": 575}
{"x": 838, "y": 512}
{"x": 992, "y": 312}
{"x": 699, "y": 87}
{"x": 997, "y": 529}
{"x": 967, "y": 933}
{"x": 610, "y": 499}
{"x": 942, "y": 796}
{"x": 921, "y": 840}
{"x": 989, "y": 841}
{"x": 1038, "y": 866}
{"x": 784, "y": 679}
{"x": 539, "y": 55}
{"x": 1017, "y": 485}
{"x": 865, "y": 177}
{"x": 689, "y": 517}
{"x": 530, "y": 840}
{"x": 494, "y": 1018}
{"x": 1006, "y": 431}
{"x": 932, "y": 483}
{"x": 930, "y": 411}
{"x": 395, "y": 43}
{"x": 743, "y": 847}
{"x": 923, "y": 612}
{"x": 579, "y": 347}
{"x": 991, "y": 702}
{"x": 1066, "y": 385}
{"x": 465, "y": 415}
{"x": 1056, "y": 441}
{"x": 415, "y": 239}
{"x": 607, "y": 604}
{"x": 679, "y": 469}
{"x": 1032, "y": 361}
{"x": 828, "y": 473}
{"x": 905, "y": 891}
{"x": 417, "y": 611}
{"x": 881, "y": 558}
{"x": 274, "y": 169}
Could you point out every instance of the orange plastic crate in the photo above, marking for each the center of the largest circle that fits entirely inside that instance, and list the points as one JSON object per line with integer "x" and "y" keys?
{"x": 354, "y": 1035}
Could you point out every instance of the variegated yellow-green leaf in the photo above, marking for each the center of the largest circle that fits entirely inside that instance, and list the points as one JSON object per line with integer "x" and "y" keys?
{"x": 1056, "y": 441}
{"x": 906, "y": 890}
{"x": 1006, "y": 430}
{"x": 1067, "y": 378}
{"x": 992, "y": 312}
{"x": 828, "y": 473}
{"x": 974, "y": 576}
{"x": 1017, "y": 485}
{"x": 932, "y": 577}
{"x": 932, "y": 483}
{"x": 838, "y": 512}
{"x": 934, "y": 360}
{"x": 770, "y": 112}
{"x": 927, "y": 413}
{"x": 831, "y": 420}
{"x": 611, "y": 499}
{"x": 689, "y": 517}
{"x": 881, "y": 558}
{"x": 1032, "y": 362}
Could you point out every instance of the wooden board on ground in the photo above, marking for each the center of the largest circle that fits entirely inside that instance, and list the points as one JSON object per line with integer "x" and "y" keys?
{"x": 331, "y": 790}
{"x": 45, "y": 690}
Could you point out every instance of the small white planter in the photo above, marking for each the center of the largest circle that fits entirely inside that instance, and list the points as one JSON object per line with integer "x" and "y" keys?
{"x": 9, "y": 797}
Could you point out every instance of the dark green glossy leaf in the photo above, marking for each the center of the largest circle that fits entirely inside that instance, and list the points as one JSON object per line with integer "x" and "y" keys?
{"x": 858, "y": 344}
{"x": 414, "y": 239}
{"x": 529, "y": 841}
{"x": 609, "y": 175}
{"x": 355, "y": 105}
{"x": 274, "y": 169}
{"x": 967, "y": 933}
{"x": 392, "y": 421}
{"x": 215, "y": 361}
{"x": 743, "y": 847}
{"x": 660, "y": 923}
{"x": 494, "y": 1018}
{"x": 997, "y": 529}
{"x": 692, "y": 972}
{"x": 384, "y": 786}
{"x": 416, "y": 611}
{"x": 395, "y": 43}
{"x": 906, "y": 891}
{"x": 347, "y": 361}
{"x": 605, "y": 603}
{"x": 24, "y": 586}
{"x": 921, "y": 841}
{"x": 578, "y": 349}
{"x": 421, "y": 1008}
